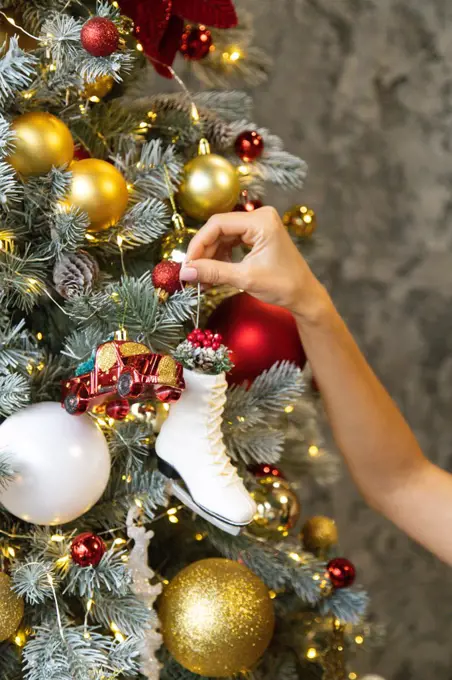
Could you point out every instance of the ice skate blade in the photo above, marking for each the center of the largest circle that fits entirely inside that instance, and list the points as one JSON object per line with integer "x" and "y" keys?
{"x": 185, "y": 498}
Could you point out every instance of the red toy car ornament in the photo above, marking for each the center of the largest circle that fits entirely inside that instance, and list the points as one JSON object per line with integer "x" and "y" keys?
{"x": 124, "y": 369}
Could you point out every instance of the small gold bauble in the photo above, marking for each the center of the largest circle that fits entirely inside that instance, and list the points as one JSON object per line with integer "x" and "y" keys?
{"x": 210, "y": 185}
{"x": 319, "y": 534}
{"x": 175, "y": 244}
{"x": 217, "y": 617}
{"x": 278, "y": 508}
{"x": 11, "y": 608}
{"x": 41, "y": 142}
{"x": 99, "y": 89}
{"x": 100, "y": 190}
{"x": 300, "y": 221}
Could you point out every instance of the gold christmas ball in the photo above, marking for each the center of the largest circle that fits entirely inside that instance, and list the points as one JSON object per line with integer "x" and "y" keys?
{"x": 100, "y": 190}
{"x": 11, "y": 608}
{"x": 210, "y": 185}
{"x": 217, "y": 617}
{"x": 41, "y": 141}
{"x": 319, "y": 534}
{"x": 278, "y": 508}
{"x": 99, "y": 89}
{"x": 175, "y": 244}
{"x": 300, "y": 221}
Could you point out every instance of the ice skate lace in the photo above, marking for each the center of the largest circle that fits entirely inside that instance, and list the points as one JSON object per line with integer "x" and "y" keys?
{"x": 215, "y": 436}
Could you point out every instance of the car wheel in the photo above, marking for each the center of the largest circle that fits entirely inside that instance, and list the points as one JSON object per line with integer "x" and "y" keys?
{"x": 124, "y": 384}
{"x": 76, "y": 403}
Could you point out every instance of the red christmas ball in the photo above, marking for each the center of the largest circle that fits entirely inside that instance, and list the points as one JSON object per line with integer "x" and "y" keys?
{"x": 342, "y": 572}
{"x": 248, "y": 206}
{"x": 257, "y": 334}
{"x": 80, "y": 153}
{"x": 99, "y": 36}
{"x": 165, "y": 275}
{"x": 195, "y": 43}
{"x": 249, "y": 145}
{"x": 87, "y": 549}
{"x": 264, "y": 470}
{"x": 117, "y": 409}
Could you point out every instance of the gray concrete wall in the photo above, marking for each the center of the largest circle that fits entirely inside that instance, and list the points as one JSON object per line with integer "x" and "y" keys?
{"x": 362, "y": 89}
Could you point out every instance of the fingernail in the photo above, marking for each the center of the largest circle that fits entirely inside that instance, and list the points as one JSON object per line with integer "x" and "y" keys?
{"x": 188, "y": 274}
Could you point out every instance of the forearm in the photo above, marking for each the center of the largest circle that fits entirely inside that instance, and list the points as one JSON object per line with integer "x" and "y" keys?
{"x": 377, "y": 443}
{"x": 380, "y": 449}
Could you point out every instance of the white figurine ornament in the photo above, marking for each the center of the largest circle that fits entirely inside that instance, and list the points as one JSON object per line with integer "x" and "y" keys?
{"x": 141, "y": 575}
{"x": 190, "y": 444}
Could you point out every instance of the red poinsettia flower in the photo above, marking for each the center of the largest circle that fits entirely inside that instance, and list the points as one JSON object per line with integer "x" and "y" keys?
{"x": 159, "y": 24}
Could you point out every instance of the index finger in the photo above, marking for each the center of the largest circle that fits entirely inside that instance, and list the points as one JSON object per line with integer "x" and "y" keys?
{"x": 220, "y": 228}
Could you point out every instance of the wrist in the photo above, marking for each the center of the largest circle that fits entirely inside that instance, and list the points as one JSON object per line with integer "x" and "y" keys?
{"x": 314, "y": 308}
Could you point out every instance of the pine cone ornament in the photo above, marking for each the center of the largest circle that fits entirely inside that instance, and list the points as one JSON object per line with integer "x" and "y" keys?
{"x": 75, "y": 274}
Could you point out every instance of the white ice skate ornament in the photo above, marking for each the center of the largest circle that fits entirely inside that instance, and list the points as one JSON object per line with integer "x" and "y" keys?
{"x": 190, "y": 446}
{"x": 141, "y": 574}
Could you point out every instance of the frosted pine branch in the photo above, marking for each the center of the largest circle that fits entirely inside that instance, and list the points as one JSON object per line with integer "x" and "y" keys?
{"x": 17, "y": 346}
{"x": 6, "y": 138}
{"x": 31, "y": 580}
{"x": 259, "y": 444}
{"x": 145, "y": 222}
{"x": 128, "y": 613}
{"x": 272, "y": 391}
{"x": 68, "y": 228}
{"x": 110, "y": 575}
{"x": 17, "y": 69}
{"x": 6, "y": 470}
{"x": 348, "y": 605}
{"x": 14, "y": 393}
{"x": 10, "y": 189}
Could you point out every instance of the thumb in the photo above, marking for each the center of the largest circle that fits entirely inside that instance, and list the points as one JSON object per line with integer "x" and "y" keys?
{"x": 211, "y": 272}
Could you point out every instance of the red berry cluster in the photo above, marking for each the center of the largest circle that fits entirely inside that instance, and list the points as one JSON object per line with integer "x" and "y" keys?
{"x": 199, "y": 338}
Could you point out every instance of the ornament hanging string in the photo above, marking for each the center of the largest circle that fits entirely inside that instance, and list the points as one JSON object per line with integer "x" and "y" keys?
{"x": 177, "y": 219}
{"x": 11, "y": 21}
{"x": 52, "y": 587}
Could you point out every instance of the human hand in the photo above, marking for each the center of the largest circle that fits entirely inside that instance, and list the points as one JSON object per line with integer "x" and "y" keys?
{"x": 273, "y": 271}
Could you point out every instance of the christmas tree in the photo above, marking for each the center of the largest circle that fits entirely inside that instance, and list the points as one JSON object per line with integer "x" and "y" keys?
{"x": 130, "y": 546}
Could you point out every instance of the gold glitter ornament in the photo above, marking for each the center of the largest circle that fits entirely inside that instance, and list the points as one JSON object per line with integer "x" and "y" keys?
{"x": 278, "y": 508}
{"x": 300, "y": 221}
{"x": 217, "y": 617}
{"x": 41, "y": 141}
{"x": 319, "y": 534}
{"x": 210, "y": 185}
{"x": 11, "y": 608}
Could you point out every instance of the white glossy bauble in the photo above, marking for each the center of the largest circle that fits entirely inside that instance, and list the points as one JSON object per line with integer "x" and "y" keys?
{"x": 62, "y": 464}
{"x": 372, "y": 677}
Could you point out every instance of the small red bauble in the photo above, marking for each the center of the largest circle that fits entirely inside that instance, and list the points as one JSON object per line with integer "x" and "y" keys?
{"x": 87, "y": 549}
{"x": 117, "y": 409}
{"x": 265, "y": 470}
{"x": 249, "y": 145}
{"x": 99, "y": 36}
{"x": 80, "y": 153}
{"x": 195, "y": 43}
{"x": 342, "y": 572}
{"x": 248, "y": 206}
{"x": 257, "y": 335}
{"x": 165, "y": 275}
